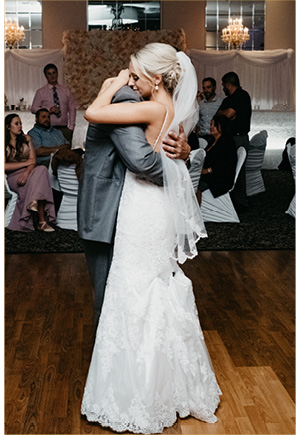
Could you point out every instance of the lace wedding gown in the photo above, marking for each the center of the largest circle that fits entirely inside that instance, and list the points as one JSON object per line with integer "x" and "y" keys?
{"x": 150, "y": 362}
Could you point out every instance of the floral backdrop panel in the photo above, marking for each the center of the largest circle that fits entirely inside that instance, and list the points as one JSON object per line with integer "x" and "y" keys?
{"x": 91, "y": 57}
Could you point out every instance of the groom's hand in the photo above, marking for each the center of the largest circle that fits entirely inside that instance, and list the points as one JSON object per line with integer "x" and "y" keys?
{"x": 176, "y": 146}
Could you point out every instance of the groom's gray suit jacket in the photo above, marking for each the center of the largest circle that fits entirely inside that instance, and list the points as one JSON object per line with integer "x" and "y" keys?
{"x": 109, "y": 150}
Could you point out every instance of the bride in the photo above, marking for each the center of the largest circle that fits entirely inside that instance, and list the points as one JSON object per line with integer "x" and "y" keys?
{"x": 150, "y": 362}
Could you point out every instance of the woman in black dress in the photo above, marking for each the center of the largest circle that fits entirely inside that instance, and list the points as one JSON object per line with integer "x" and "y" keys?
{"x": 220, "y": 161}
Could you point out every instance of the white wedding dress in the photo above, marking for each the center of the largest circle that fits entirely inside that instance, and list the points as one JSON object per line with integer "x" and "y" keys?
{"x": 150, "y": 363}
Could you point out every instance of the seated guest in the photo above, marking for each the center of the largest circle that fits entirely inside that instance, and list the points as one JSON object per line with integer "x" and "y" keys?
{"x": 46, "y": 139}
{"x": 220, "y": 161}
{"x": 285, "y": 162}
{"x": 193, "y": 141}
{"x": 32, "y": 184}
{"x": 66, "y": 157}
{"x": 58, "y": 100}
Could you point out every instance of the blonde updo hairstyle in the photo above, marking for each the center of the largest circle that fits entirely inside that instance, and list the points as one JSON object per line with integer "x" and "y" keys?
{"x": 158, "y": 58}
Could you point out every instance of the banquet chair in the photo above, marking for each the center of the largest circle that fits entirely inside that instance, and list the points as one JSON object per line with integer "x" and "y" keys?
{"x": 221, "y": 209}
{"x": 197, "y": 159}
{"x": 11, "y": 205}
{"x": 202, "y": 142}
{"x": 254, "y": 180}
{"x": 68, "y": 183}
{"x": 292, "y": 158}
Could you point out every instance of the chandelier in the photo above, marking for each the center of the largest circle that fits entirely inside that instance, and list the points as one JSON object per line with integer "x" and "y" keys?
{"x": 235, "y": 34}
{"x": 13, "y": 33}
{"x": 117, "y": 22}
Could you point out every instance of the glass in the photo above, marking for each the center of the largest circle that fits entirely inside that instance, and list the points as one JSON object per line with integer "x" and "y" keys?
{"x": 259, "y": 8}
{"x": 252, "y": 14}
{"x": 24, "y": 20}
{"x": 259, "y": 22}
{"x": 211, "y": 7}
{"x": 211, "y": 24}
{"x": 11, "y": 16}
{"x": 23, "y": 6}
{"x": 29, "y": 15}
{"x": 10, "y": 6}
{"x": 36, "y": 21}
{"x": 36, "y": 38}
{"x": 259, "y": 40}
{"x": 223, "y": 7}
{"x": 134, "y": 15}
{"x": 247, "y": 22}
{"x": 26, "y": 42}
{"x": 223, "y": 23}
{"x": 211, "y": 39}
{"x": 235, "y": 9}
{"x": 35, "y": 6}
{"x": 247, "y": 8}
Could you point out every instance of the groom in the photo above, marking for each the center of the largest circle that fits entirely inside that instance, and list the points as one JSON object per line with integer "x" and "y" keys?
{"x": 109, "y": 150}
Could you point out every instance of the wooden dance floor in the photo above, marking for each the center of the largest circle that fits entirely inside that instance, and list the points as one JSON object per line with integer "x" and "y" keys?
{"x": 246, "y": 304}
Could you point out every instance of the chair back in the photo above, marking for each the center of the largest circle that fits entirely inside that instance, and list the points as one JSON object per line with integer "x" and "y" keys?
{"x": 292, "y": 157}
{"x": 11, "y": 205}
{"x": 68, "y": 183}
{"x": 241, "y": 156}
{"x": 202, "y": 143}
{"x": 197, "y": 159}
{"x": 67, "y": 179}
{"x": 256, "y": 152}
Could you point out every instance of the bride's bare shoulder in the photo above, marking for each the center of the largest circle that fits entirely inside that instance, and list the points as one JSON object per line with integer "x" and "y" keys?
{"x": 157, "y": 107}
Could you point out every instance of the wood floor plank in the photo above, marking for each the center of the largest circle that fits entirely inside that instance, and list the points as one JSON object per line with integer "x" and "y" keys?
{"x": 244, "y": 425}
{"x": 246, "y": 304}
{"x": 203, "y": 429}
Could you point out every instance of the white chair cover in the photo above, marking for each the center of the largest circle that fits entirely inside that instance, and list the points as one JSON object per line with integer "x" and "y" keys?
{"x": 53, "y": 180}
{"x": 202, "y": 142}
{"x": 292, "y": 158}
{"x": 68, "y": 182}
{"x": 221, "y": 209}
{"x": 197, "y": 159}
{"x": 11, "y": 205}
{"x": 254, "y": 180}
{"x": 291, "y": 152}
{"x": 292, "y": 208}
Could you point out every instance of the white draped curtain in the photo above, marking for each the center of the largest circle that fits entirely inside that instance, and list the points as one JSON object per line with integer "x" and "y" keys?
{"x": 268, "y": 76}
{"x": 24, "y": 72}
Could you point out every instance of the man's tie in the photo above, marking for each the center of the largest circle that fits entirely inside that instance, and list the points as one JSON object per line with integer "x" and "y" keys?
{"x": 56, "y": 101}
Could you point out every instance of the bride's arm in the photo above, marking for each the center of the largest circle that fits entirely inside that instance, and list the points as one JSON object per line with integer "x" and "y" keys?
{"x": 101, "y": 111}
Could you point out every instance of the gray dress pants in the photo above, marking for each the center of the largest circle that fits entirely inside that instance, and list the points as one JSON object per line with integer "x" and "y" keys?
{"x": 98, "y": 257}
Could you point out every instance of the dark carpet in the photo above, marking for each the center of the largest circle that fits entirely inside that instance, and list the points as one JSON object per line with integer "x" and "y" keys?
{"x": 264, "y": 226}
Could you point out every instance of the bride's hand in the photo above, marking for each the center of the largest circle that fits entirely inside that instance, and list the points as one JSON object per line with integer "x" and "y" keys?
{"x": 121, "y": 80}
{"x": 106, "y": 84}
{"x": 123, "y": 76}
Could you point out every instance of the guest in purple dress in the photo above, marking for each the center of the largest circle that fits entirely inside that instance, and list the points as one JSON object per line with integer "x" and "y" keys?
{"x": 34, "y": 208}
